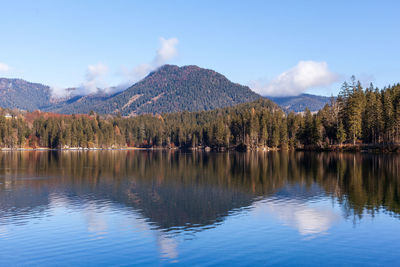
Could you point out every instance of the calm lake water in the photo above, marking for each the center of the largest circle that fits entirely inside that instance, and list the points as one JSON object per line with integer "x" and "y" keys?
{"x": 162, "y": 208}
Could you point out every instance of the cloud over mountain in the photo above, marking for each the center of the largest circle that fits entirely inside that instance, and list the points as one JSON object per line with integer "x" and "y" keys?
{"x": 167, "y": 51}
{"x": 94, "y": 78}
{"x": 305, "y": 75}
{"x": 4, "y": 67}
{"x": 96, "y": 74}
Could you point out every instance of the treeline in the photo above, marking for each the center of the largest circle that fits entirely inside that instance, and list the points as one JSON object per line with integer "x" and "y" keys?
{"x": 360, "y": 116}
{"x": 357, "y": 116}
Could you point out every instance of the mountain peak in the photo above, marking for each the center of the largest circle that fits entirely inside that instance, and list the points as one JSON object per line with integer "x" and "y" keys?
{"x": 170, "y": 69}
{"x": 170, "y": 88}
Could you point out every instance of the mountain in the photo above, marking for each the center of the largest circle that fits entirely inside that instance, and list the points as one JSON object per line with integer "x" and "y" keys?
{"x": 168, "y": 89}
{"x": 73, "y": 104}
{"x": 17, "y": 93}
{"x": 301, "y": 102}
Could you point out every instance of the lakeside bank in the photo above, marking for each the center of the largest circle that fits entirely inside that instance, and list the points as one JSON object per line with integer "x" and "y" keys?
{"x": 363, "y": 148}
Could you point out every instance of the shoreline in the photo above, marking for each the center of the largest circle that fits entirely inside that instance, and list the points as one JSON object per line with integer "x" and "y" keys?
{"x": 362, "y": 148}
{"x": 75, "y": 149}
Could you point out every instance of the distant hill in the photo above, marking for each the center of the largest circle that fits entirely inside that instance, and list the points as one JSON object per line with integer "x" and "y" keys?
{"x": 74, "y": 104}
{"x": 301, "y": 102}
{"x": 17, "y": 93}
{"x": 168, "y": 89}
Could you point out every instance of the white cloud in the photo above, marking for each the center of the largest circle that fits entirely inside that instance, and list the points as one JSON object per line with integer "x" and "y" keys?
{"x": 4, "y": 67}
{"x": 305, "y": 75}
{"x": 167, "y": 51}
{"x": 95, "y": 74}
{"x": 94, "y": 78}
{"x": 58, "y": 91}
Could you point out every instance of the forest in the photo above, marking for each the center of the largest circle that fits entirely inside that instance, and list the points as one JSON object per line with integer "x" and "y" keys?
{"x": 358, "y": 116}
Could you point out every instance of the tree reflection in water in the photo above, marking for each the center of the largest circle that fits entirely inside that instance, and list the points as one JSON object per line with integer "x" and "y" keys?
{"x": 176, "y": 191}
{"x": 197, "y": 189}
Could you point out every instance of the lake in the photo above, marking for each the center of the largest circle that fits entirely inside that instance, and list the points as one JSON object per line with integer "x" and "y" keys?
{"x": 170, "y": 208}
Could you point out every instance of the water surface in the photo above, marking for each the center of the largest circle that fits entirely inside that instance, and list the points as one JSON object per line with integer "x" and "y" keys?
{"x": 161, "y": 208}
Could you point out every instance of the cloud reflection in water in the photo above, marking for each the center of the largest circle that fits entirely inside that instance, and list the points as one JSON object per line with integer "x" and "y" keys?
{"x": 309, "y": 220}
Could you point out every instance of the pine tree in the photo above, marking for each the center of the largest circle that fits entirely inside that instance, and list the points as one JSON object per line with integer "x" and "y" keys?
{"x": 369, "y": 116}
{"x": 388, "y": 116}
{"x": 341, "y": 133}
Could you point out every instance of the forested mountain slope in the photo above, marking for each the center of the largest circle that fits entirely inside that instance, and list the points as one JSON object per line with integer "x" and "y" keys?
{"x": 20, "y": 94}
{"x": 168, "y": 89}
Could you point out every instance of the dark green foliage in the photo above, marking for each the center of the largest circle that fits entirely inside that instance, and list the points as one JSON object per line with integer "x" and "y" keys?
{"x": 13, "y": 131}
{"x": 368, "y": 115}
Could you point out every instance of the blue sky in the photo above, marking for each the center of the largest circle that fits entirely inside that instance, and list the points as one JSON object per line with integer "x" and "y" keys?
{"x": 250, "y": 42}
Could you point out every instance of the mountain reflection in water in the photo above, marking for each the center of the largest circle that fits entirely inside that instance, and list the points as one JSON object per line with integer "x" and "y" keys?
{"x": 173, "y": 194}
